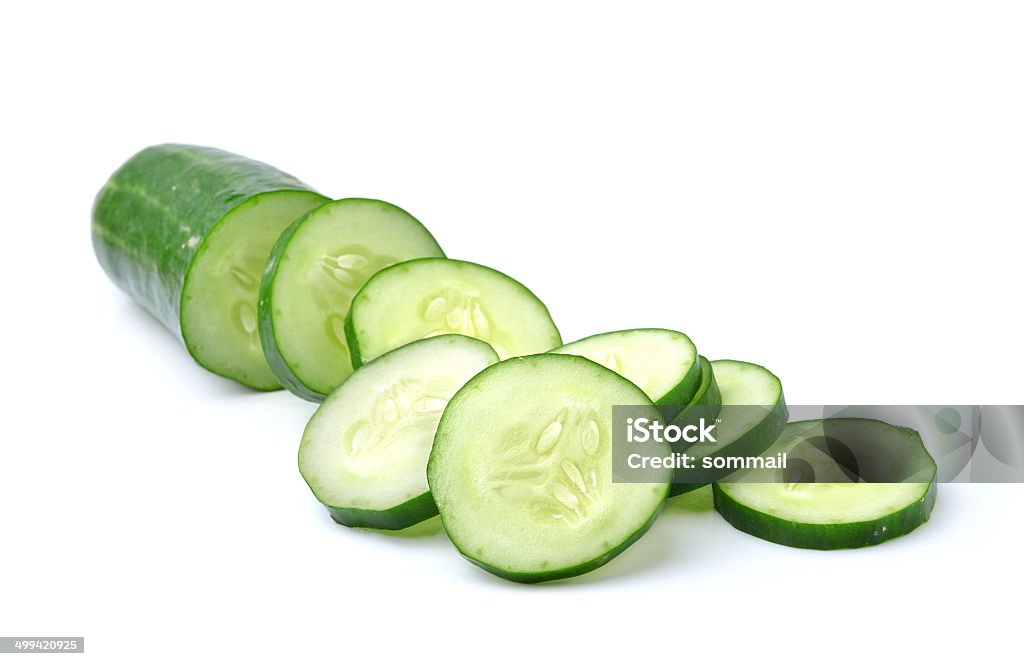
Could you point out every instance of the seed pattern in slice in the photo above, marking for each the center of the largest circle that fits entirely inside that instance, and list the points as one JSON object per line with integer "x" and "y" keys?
{"x": 423, "y": 298}
{"x": 364, "y": 452}
{"x": 315, "y": 269}
{"x": 521, "y": 469}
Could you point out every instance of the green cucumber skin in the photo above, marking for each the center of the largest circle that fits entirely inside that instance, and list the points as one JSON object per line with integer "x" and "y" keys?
{"x": 707, "y": 402}
{"x": 404, "y": 515}
{"x": 825, "y": 537}
{"x": 707, "y": 396}
{"x": 268, "y": 338}
{"x": 682, "y": 393}
{"x": 568, "y": 572}
{"x": 753, "y": 443}
{"x": 146, "y": 217}
{"x": 352, "y": 338}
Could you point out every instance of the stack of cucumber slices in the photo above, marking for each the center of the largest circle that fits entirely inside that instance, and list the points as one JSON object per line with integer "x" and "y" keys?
{"x": 445, "y": 387}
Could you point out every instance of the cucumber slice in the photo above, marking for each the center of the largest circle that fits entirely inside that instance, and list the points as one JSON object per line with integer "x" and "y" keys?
{"x": 661, "y": 362}
{"x": 835, "y": 512}
{"x": 186, "y": 231}
{"x": 706, "y": 404}
{"x": 314, "y": 270}
{"x": 422, "y": 298}
{"x": 521, "y": 469}
{"x": 364, "y": 452}
{"x": 707, "y": 399}
{"x": 753, "y": 414}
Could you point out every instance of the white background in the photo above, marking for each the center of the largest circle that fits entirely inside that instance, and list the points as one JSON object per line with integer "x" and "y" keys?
{"x": 830, "y": 189}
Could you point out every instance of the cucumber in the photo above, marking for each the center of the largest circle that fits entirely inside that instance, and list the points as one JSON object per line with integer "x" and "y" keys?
{"x": 186, "y": 231}
{"x": 707, "y": 398}
{"x": 364, "y": 451}
{"x": 521, "y": 469}
{"x": 314, "y": 270}
{"x": 706, "y": 404}
{"x": 661, "y": 362}
{"x": 753, "y": 414}
{"x": 821, "y": 505}
{"x": 422, "y": 298}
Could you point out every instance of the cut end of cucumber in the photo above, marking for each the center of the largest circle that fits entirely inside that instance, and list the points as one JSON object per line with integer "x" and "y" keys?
{"x": 219, "y": 300}
{"x": 423, "y": 298}
{"x": 315, "y": 269}
{"x": 364, "y": 453}
{"x": 521, "y": 469}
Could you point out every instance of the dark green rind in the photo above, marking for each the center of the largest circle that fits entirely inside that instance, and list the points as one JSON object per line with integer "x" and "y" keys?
{"x": 706, "y": 404}
{"x": 404, "y": 515}
{"x": 825, "y": 537}
{"x": 707, "y": 398}
{"x": 350, "y": 332}
{"x": 278, "y": 364}
{"x": 753, "y": 443}
{"x": 682, "y": 393}
{"x": 568, "y": 572}
{"x": 352, "y": 338}
{"x": 268, "y": 341}
{"x": 152, "y": 205}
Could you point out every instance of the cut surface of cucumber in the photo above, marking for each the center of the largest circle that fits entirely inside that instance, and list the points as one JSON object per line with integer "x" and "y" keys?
{"x": 422, "y": 298}
{"x": 828, "y": 510}
{"x": 753, "y": 414}
{"x": 186, "y": 232}
{"x": 314, "y": 270}
{"x": 663, "y": 363}
{"x": 521, "y": 469}
{"x": 364, "y": 452}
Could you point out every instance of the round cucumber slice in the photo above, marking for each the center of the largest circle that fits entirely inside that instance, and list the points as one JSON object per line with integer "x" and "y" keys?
{"x": 753, "y": 414}
{"x": 819, "y": 506}
{"x": 364, "y": 452}
{"x": 521, "y": 469}
{"x": 422, "y": 298}
{"x": 661, "y": 362}
{"x": 314, "y": 270}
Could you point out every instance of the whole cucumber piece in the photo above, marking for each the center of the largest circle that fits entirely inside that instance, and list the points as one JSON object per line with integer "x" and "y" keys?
{"x": 186, "y": 232}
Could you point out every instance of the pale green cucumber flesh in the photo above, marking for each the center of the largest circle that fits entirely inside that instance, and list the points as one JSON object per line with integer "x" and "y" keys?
{"x": 423, "y": 298}
{"x": 219, "y": 302}
{"x": 753, "y": 414}
{"x": 315, "y": 269}
{"x": 521, "y": 469}
{"x": 663, "y": 363}
{"x": 364, "y": 452}
{"x": 834, "y": 511}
